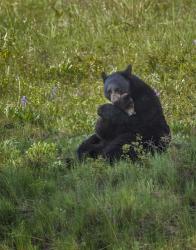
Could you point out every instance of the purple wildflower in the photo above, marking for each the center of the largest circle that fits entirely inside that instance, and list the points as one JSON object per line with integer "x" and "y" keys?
{"x": 156, "y": 92}
{"x": 23, "y": 101}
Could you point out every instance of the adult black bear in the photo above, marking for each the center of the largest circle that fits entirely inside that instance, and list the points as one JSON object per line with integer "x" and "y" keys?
{"x": 118, "y": 128}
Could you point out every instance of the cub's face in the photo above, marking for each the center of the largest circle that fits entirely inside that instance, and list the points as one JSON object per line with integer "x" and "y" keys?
{"x": 125, "y": 102}
{"x": 117, "y": 84}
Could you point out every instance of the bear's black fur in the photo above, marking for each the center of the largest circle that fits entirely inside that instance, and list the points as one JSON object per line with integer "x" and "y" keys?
{"x": 116, "y": 128}
{"x": 107, "y": 130}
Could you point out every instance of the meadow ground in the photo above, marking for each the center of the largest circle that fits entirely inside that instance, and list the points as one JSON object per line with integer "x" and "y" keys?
{"x": 52, "y": 53}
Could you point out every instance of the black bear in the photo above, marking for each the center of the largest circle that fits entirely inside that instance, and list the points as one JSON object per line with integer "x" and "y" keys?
{"x": 106, "y": 129}
{"x": 118, "y": 128}
{"x": 125, "y": 103}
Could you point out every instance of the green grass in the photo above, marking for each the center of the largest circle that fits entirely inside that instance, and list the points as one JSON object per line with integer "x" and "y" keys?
{"x": 53, "y": 52}
{"x": 96, "y": 206}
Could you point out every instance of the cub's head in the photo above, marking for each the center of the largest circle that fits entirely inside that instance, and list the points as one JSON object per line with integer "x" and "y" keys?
{"x": 117, "y": 84}
{"x": 125, "y": 103}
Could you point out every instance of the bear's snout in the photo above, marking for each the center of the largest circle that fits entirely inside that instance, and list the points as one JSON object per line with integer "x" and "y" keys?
{"x": 115, "y": 97}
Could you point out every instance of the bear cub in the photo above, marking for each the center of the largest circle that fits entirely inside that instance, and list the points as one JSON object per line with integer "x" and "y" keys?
{"x": 105, "y": 129}
{"x": 125, "y": 103}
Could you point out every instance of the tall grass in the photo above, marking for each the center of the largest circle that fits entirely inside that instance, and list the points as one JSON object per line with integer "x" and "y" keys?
{"x": 96, "y": 206}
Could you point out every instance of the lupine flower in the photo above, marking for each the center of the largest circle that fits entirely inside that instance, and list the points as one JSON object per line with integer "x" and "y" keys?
{"x": 156, "y": 92}
{"x": 23, "y": 101}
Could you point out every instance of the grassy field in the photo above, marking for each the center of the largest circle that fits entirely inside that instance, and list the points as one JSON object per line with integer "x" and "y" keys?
{"x": 53, "y": 52}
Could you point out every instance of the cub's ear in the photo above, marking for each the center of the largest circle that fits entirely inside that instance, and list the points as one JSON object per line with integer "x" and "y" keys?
{"x": 104, "y": 76}
{"x": 127, "y": 72}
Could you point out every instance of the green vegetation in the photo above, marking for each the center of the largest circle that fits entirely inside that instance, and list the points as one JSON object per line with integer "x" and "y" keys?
{"x": 53, "y": 52}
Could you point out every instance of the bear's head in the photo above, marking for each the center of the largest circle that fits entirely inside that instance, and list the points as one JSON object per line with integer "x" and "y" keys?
{"x": 117, "y": 84}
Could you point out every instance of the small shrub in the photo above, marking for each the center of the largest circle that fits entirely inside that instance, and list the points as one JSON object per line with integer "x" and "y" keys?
{"x": 41, "y": 153}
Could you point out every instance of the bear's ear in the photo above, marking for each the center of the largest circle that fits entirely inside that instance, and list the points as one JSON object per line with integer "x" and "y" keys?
{"x": 104, "y": 76}
{"x": 127, "y": 72}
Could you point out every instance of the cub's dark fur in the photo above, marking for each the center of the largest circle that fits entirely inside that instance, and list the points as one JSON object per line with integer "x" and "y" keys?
{"x": 107, "y": 130}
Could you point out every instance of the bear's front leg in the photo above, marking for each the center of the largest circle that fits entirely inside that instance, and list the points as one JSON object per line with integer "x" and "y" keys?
{"x": 91, "y": 147}
{"x": 114, "y": 150}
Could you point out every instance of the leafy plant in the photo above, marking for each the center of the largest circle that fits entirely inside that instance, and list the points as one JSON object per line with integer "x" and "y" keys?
{"x": 41, "y": 154}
